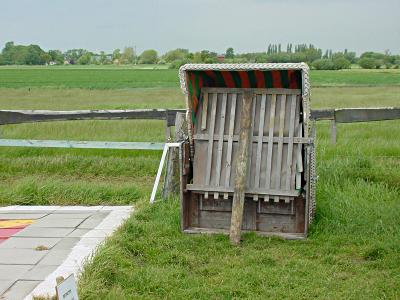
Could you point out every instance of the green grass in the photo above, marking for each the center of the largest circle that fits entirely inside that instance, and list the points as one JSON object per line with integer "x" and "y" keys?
{"x": 114, "y": 77}
{"x": 353, "y": 248}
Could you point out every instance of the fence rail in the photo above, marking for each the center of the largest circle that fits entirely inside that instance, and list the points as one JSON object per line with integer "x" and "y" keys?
{"x": 343, "y": 115}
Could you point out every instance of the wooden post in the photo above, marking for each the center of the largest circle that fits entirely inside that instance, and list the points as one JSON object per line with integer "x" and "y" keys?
{"x": 241, "y": 169}
{"x": 172, "y": 181}
{"x": 333, "y": 131}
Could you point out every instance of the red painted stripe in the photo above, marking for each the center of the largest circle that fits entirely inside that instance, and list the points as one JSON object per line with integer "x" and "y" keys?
{"x": 211, "y": 74}
{"x": 292, "y": 79}
{"x": 228, "y": 79}
{"x": 244, "y": 77}
{"x": 7, "y": 232}
{"x": 276, "y": 79}
{"x": 2, "y": 240}
{"x": 260, "y": 79}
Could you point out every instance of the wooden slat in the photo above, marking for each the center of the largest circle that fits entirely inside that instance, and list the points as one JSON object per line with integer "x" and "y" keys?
{"x": 349, "y": 115}
{"x": 256, "y": 91}
{"x": 220, "y": 142}
{"x": 81, "y": 144}
{"x": 248, "y": 191}
{"x": 299, "y": 161}
{"x": 251, "y": 137}
{"x": 260, "y": 140}
{"x": 290, "y": 144}
{"x": 228, "y": 168}
{"x": 211, "y": 137}
{"x": 270, "y": 142}
{"x": 297, "y": 149}
{"x": 204, "y": 111}
{"x": 278, "y": 173}
{"x": 276, "y": 139}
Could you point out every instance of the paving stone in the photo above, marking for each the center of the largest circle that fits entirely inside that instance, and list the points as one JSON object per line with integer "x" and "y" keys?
{"x": 4, "y": 286}
{"x": 60, "y": 223}
{"x": 78, "y": 209}
{"x": 44, "y": 232}
{"x": 55, "y": 257}
{"x": 29, "y": 243}
{"x": 78, "y": 233}
{"x": 20, "y": 289}
{"x": 93, "y": 221}
{"x": 69, "y": 215}
{"x": 94, "y": 233}
{"x": 14, "y": 216}
{"x": 37, "y": 207}
{"x": 21, "y": 256}
{"x": 13, "y": 272}
{"x": 38, "y": 272}
{"x": 66, "y": 243}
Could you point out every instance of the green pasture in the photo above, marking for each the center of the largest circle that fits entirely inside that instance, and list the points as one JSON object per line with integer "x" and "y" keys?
{"x": 115, "y": 77}
{"x": 353, "y": 249}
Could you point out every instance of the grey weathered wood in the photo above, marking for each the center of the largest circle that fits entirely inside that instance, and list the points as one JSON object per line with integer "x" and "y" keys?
{"x": 255, "y": 91}
{"x": 204, "y": 112}
{"x": 230, "y": 141}
{"x": 278, "y": 174}
{"x": 81, "y": 144}
{"x": 220, "y": 140}
{"x": 171, "y": 182}
{"x": 260, "y": 141}
{"x": 292, "y": 117}
{"x": 323, "y": 114}
{"x": 270, "y": 142}
{"x": 349, "y": 115}
{"x": 248, "y": 191}
{"x": 211, "y": 138}
{"x": 254, "y": 139}
{"x": 333, "y": 132}
{"x": 241, "y": 169}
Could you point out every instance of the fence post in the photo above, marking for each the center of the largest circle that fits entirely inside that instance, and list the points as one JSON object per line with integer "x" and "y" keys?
{"x": 333, "y": 131}
{"x": 171, "y": 182}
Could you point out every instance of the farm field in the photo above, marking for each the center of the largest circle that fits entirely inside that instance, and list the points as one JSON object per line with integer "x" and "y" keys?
{"x": 353, "y": 249}
{"x": 113, "y": 77}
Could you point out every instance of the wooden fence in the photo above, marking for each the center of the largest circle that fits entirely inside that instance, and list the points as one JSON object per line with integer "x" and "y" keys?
{"x": 345, "y": 115}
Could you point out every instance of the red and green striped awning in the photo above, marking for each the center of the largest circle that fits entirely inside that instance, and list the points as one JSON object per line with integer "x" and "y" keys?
{"x": 197, "y": 79}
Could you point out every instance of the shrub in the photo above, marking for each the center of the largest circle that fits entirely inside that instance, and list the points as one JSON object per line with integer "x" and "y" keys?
{"x": 368, "y": 63}
{"x": 341, "y": 63}
{"x": 323, "y": 64}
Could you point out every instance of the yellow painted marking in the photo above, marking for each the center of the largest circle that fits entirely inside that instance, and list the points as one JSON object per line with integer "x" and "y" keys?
{"x": 14, "y": 223}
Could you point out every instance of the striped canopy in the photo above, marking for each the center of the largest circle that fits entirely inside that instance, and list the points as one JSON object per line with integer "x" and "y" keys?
{"x": 197, "y": 79}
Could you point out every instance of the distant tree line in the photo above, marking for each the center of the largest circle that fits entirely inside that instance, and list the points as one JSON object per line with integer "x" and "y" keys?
{"x": 33, "y": 55}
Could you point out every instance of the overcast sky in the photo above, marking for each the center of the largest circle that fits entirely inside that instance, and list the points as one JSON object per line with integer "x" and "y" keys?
{"x": 245, "y": 25}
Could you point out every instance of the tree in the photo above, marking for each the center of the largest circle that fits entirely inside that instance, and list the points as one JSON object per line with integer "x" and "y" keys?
{"x": 128, "y": 56}
{"x": 368, "y": 63}
{"x": 177, "y": 54}
{"x": 116, "y": 55}
{"x": 85, "y": 59}
{"x": 56, "y": 56}
{"x": 149, "y": 56}
{"x": 229, "y": 53}
{"x": 323, "y": 64}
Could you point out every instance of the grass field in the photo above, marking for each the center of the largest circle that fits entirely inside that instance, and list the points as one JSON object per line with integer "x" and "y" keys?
{"x": 353, "y": 250}
{"x": 113, "y": 77}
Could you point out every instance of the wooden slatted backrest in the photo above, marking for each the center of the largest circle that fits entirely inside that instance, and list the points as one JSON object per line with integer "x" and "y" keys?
{"x": 275, "y": 152}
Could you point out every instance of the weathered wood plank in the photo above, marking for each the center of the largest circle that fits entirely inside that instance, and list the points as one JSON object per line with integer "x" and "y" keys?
{"x": 204, "y": 111}
{"x": 278, "y": 173}
{"x": 220, "y": 139}
{"x": 260, "y": 141}
{"x": 322, "y": 114}
{"x": 290, "y": 143}
{"x": 230, "y": 141}
{"x": 81, "y": 144}
{"x": 255, "y": 91}
{"x": 270, "y": 142}
{"x": 211, "y": 139}
{"x": 349, "y": 115}
{"x": 265, "y": 139}
{"x": 241, "y": 169}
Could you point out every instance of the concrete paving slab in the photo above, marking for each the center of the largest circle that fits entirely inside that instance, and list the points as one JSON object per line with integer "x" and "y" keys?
{"x": 29, "y": 243}
{"x": 78, "y": 232}
{"x": 93, "y": 221}
{"x": 13, "y": 272}
{"x": 60, "y": 223}
{"x": 75, "y": 209}
{"x": 14, "y": 216}
{"x": 38, "y": 272}
{"x": 37, "y": 207}
{"x": 66, "y": 243}
{"x": 44, "y": 232}
{"x": 5, "y": 285}
{"x": 69, "y": 216}
{"x": 55, "y": 257}
{"x": 20, "y": 289}
{"x": 96, "y": 233}
{"x": 21, "y": 256}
